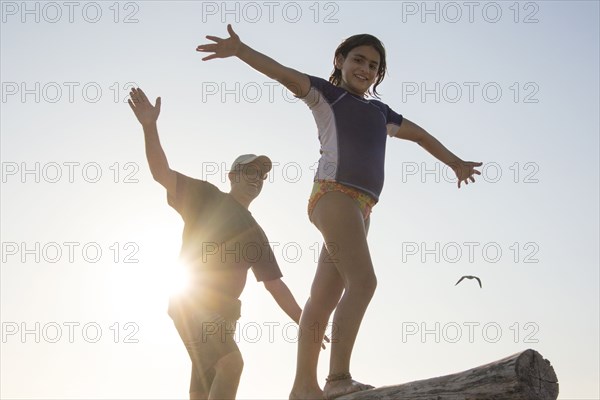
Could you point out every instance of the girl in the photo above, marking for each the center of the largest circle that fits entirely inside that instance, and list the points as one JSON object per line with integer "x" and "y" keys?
{"x": 349, "y": 179}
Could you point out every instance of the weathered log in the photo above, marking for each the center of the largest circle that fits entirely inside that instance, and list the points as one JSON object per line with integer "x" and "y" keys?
{"x": 522, "y": 376}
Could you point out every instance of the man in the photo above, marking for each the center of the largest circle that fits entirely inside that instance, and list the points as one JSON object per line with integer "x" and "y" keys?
{"x": 221, "y": 241}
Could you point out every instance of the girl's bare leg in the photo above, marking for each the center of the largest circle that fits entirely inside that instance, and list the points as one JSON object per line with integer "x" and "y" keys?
{"x": 341, "y": 222}
{"x": 325, "y": 293}
{"x": 227, "y": 379}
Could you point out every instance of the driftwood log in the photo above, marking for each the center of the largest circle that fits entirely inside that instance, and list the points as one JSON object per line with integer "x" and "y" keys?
{"x": 522, "y": 376}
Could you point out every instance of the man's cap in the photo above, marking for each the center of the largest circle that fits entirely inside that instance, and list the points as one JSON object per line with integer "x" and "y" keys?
{"x": 263, "y": 162}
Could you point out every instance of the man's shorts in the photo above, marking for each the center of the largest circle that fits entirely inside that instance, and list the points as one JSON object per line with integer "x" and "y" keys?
{"x": 364, "y": 201}
{"x": 207, "y": 336}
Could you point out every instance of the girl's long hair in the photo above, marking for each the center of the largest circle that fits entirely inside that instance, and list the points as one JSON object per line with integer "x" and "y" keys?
{"x": 355, "y": 41}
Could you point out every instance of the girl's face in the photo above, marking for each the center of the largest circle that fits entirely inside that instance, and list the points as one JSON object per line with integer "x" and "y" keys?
{"x": 359, "y": 69}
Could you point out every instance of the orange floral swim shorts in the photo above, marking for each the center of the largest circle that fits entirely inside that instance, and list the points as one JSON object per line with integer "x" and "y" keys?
{"x": 365, "y": 201}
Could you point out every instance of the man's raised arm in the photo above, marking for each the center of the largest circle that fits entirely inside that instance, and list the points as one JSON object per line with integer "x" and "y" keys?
{"x": 147, "y": 115}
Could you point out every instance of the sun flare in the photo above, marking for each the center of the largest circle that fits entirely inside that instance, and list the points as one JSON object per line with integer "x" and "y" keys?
{"x": 175, "y": 279}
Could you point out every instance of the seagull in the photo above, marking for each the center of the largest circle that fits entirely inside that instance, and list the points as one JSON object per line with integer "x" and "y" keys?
{"x": 469, "y": 277}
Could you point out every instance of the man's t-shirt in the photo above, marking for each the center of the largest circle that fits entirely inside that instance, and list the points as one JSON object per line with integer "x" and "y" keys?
{"x": 221, "y": 239}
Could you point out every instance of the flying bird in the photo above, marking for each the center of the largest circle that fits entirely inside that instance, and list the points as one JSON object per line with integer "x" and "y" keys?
{"x": 469, "y": 277}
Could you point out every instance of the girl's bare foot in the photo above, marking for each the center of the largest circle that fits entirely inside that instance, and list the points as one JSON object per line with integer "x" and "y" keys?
{"x": 342, "y": 384}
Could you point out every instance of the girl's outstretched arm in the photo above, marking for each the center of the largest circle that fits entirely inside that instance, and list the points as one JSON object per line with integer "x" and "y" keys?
{"x": 464, "y": 170}
{"x": 297, "y": 82}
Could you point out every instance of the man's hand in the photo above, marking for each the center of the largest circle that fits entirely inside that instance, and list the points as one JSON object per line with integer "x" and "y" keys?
{"x": 465, "y": 170}
{"x": 222, "y": 48}
{"x": 145, "y": 112}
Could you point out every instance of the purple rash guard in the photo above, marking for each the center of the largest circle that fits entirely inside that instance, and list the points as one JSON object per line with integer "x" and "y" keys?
{"x": 353, "y": 132}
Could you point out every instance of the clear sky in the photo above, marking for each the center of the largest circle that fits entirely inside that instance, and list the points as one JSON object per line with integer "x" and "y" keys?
{"x": 89, "y": 244}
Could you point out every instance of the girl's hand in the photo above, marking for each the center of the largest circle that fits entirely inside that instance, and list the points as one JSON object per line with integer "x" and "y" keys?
{"x": 145, "y": 112}
{"x": 222, "y": 48}
{"x": 465, "y": 170}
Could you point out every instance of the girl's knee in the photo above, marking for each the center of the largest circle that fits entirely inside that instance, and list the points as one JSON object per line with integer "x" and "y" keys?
{"x": 324, "y": 304}
{"x": 363, "y": 286}
{"x": 321, "y": 295}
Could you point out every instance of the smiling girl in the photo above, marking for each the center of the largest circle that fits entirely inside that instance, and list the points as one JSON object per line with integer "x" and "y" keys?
{"x": 353, "y": 131}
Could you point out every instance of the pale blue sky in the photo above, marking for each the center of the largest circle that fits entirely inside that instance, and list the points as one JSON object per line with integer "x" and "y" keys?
{"x": 542, "y": 207}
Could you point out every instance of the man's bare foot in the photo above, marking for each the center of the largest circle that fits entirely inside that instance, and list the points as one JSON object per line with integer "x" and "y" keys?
{"x": 342, "y": 384}
{"x": 315, "y": 394}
